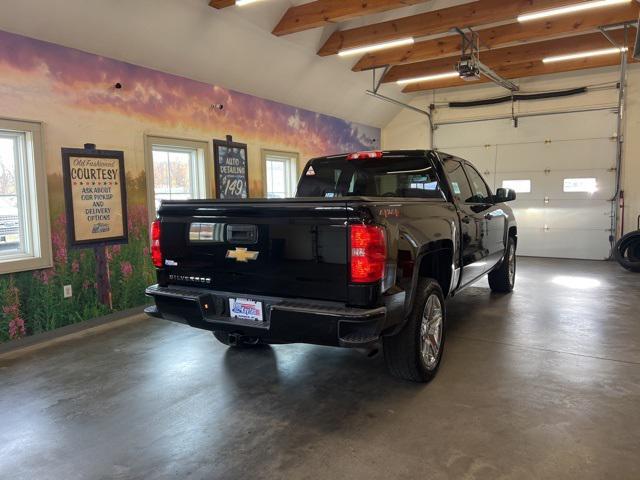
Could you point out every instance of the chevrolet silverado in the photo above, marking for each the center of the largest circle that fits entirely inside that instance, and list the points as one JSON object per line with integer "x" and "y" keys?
{"x": 364, "y": 255}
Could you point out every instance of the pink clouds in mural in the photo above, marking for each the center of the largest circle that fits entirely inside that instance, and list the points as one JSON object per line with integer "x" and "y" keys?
{"x": 157, "y": 97}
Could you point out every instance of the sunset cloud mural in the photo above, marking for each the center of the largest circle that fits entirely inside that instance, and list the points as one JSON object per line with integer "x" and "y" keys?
{"x": 86, "y": 82}
{"x": 72, "y": 93}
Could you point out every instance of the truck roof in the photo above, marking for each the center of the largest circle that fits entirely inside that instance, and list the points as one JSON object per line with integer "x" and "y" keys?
{"x": 385, "y": 153}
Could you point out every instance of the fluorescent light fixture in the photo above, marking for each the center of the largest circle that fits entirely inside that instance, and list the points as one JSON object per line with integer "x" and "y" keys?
{"x": 428, "y": 78}
{"x": 240, "y": 3}
{"x": 580, "y": 7}
{"x": 578, "y": 56}
{"x": 377, "y": 46}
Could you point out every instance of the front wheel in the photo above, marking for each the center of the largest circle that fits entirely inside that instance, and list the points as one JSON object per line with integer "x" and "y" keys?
{"x": 503, "y": 278}
{"x": 415, "y": 352}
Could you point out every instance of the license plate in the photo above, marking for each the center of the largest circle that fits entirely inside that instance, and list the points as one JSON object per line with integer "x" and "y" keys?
{"x": 245, "y": 309}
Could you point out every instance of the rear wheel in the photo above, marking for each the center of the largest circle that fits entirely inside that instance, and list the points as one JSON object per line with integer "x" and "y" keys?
{"x": 236, "y": 342}
{"x": 415, "y": 352}
{"x": 503, "y": 278}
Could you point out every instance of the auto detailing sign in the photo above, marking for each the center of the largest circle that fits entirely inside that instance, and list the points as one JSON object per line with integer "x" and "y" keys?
{"x": 231, "y": 169}
{"x": 94, "y": 187}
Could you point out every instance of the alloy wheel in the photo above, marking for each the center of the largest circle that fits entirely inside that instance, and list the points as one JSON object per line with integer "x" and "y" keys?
{"x": 431, "y": 331}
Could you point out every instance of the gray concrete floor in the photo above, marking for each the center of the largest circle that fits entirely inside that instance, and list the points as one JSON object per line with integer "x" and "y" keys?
{"x": 543, "y": 383}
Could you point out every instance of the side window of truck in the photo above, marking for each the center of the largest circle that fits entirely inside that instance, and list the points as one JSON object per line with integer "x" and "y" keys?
{"x": 459, "y": 183}
{"x": 481, "y": 193}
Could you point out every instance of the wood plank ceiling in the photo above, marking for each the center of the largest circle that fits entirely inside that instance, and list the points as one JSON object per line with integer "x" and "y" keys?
{"x": 512, "y": 49}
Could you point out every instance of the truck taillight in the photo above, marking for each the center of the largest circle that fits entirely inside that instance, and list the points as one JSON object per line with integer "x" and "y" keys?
{"x": 156, "y": 251}
{"x": 368, "y": 253}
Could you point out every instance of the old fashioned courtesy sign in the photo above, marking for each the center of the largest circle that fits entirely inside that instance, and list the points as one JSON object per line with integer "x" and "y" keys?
{"x": 94, "y": 185}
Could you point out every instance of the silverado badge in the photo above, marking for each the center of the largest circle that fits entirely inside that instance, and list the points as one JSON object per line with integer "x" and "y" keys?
{"x": 242, "y": 254}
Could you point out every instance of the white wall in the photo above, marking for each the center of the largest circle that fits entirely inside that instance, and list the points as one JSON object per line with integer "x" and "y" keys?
{"x": 410, "y": 130}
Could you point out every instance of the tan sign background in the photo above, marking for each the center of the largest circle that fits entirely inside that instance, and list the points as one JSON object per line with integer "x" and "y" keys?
{"x": 97, "y": 198}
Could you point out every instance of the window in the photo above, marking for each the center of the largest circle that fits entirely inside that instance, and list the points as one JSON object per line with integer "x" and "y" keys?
{"x": 481, "y": 193}
{"x": 587, "y": 185}
{"x": 25, "y": 242}
{"x": 280, "y": 174}
{"x": 459, "y": 181}
{"x": 399, "y": 176}
{"x": 518, "y": 186}
{"x": 179, "y": 170}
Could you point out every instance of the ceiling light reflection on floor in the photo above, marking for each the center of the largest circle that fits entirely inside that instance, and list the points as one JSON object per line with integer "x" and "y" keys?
{"x": 581, "y": 283}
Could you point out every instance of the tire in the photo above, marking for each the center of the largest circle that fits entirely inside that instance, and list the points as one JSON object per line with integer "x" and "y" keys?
{"x": 503, "y": 278}
{"x": 223, "y": 337}
{"x": 627, "y": 251}
{"x": 409, "y": 354}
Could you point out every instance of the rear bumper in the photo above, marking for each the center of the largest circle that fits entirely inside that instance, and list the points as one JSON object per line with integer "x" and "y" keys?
{"x": 285, "y": 320}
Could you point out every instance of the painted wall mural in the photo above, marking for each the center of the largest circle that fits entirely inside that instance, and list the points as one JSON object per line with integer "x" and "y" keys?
{"x": 73, "y": 94}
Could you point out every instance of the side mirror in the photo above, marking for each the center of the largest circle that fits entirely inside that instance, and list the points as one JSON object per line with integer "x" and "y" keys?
{"x": 504, "y": 195}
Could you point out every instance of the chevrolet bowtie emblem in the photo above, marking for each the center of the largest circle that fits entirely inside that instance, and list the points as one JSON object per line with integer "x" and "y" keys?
{"x": 242, "y": 254}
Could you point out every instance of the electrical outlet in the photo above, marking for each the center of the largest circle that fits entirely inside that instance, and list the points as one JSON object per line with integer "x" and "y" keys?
{"x": 67, "y": 291}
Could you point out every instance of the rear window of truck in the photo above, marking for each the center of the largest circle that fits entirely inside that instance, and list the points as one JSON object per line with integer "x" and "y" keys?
{"x": 408, "y": 177}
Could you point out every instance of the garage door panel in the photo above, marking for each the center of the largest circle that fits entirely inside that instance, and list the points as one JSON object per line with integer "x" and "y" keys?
{"x": 578, "y": 215}
{"x": 557, "y": 156}
{"x": 605, "y": 181}
{"x": 472, "y": 134}
{"x": 572, "y": 126}
{"x": 587, "y": 244}
{"x": 581, "y": 244}
{"x": 563, "y": 214}
{"x": 551, "y": 184}
{"x": 567, "y": 126}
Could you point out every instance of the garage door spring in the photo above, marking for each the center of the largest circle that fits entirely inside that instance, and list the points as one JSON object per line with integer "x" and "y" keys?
{"x": 519, "y": 97}
{"x": 627, "y": 251}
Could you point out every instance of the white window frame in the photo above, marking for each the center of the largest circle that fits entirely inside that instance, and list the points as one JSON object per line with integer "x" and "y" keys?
{"x": 33, "y": 199}
{"x": 291, "y": 160}
{"x": 203, "y": 177}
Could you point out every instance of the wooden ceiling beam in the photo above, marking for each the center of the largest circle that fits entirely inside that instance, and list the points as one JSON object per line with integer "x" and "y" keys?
{"x": 509, "y": 55}
{"x": 497, "y": 37}
{"x": 322, "y": 12}
{"x": 221, "y": 3}
{"x": 472, "y": 14}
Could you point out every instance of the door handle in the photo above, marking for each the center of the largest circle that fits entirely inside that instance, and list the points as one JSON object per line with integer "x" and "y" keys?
{"x": 488, "y": 216}
{"x": 466, "y": 219}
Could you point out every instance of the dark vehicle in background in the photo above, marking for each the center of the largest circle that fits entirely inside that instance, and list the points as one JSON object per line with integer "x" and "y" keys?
{"x": 366, "y": 253}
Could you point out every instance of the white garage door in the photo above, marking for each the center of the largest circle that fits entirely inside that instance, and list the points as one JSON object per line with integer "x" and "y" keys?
{"x": 564, "y": 169}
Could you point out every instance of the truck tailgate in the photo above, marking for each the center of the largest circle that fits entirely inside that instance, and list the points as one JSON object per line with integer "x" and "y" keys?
{"x": 289, "y": 248}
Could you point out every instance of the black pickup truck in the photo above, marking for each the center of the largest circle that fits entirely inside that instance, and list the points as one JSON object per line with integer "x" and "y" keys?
{"x": 366, "y": 254}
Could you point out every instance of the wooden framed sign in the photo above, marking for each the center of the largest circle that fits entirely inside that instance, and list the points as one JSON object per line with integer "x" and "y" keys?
{"x": 231, "y": 169}
{"x": 95, "y": 196}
